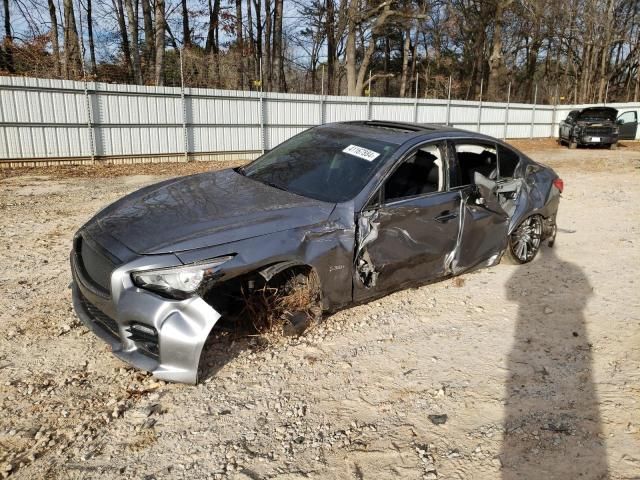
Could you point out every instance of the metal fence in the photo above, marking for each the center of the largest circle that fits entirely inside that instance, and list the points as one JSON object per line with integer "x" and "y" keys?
{"x": 59, "y": 120}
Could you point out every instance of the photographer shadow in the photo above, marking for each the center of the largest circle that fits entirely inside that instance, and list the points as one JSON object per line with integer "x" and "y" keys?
{"x": 552, "y": 426}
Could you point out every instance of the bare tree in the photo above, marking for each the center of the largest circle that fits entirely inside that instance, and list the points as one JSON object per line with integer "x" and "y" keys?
{"x": 132, "y": 15}
{"x": 72, "y": 61}
{"x": 149, "y": 41}
{"x": 53, "y": 36}
{"x": 159, "y": 43}
{"x": 92, "y": 43}
{"x": 8, "y": 39}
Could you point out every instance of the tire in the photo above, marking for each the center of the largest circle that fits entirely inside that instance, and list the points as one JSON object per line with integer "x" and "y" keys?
{"x": 524, "y": 242}
{"x": 573, "y": 145}
{"x": 613, "y": 146}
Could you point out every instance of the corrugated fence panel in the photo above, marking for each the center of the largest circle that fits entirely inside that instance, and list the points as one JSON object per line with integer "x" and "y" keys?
{"x": 42, "y": 118}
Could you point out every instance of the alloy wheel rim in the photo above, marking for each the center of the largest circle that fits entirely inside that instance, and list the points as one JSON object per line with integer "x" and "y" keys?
{"x": 525, "y": 241}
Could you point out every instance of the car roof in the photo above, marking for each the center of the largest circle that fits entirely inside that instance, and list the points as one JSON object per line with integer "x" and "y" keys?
{"x": 401, "y": 132}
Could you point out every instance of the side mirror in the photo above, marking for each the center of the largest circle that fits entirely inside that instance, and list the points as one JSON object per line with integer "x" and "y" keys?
{"x": 620, "y": 121}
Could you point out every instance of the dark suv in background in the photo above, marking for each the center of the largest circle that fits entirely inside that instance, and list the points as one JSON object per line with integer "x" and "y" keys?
{"x": 590, "y": 126}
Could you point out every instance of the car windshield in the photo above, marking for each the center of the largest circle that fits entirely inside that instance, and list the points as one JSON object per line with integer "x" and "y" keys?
{"x": 327, "y": 164}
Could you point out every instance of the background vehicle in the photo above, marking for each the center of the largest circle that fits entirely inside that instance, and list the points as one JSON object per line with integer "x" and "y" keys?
{"x": 590, "y": 126}
{"x": 349, "y": 212}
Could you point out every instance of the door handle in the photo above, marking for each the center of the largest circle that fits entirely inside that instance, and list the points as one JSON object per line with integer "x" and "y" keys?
{"x": 444, "y": 217}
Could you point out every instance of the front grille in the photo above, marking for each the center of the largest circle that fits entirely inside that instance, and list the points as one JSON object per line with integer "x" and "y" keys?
{"x": 598, "y": 131}
{"x": 99, "y": 317}
{"x": 95, "y": 266}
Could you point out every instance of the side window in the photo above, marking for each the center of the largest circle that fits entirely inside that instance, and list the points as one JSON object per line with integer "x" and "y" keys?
{"x": 628, "y": 117}
{"x": 475, "y": 157}
{"x": 508, "y": 161}
{"x": 421, "y": 172}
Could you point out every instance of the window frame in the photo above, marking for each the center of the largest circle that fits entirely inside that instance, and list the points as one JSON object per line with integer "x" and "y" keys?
{"x": 635, "y": 117}
{"x": 476, "y": 141}
{"x": 376, "y": 200}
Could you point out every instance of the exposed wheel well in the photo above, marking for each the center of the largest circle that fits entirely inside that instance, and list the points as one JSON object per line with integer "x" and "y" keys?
{"x": 254, "y": 301}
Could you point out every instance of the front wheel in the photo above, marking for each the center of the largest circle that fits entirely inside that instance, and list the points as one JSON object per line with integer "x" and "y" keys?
{"x": 524, "y": 241}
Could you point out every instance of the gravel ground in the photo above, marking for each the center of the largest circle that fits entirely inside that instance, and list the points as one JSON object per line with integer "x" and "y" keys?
{"x": 511, "y": 372}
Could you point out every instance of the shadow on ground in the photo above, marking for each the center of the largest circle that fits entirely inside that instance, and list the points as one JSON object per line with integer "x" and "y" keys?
{"x": 552, "y": 420}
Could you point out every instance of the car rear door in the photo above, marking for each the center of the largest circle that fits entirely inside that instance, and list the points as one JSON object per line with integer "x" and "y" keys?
{"x": 409, "y": 228}
{"x": 628, "y": 125}
{"x": 483, "y": 222}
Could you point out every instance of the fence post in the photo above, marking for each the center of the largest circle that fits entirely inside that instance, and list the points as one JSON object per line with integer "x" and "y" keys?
{"x": 184, "y": 111}
{"x": 449, "y": 103}
{"x": 415, "y": 102}
{"x": 369, "y": 99}
{"x": 261, "y": 113}
{"x": 553, "y": 116}
{"x": 506, "y": 113}
{"x": 322, "y": 97}
{"x": 533, "y": 114}
{"x": 87, "y": 100}
{"x": 480, "y": 106}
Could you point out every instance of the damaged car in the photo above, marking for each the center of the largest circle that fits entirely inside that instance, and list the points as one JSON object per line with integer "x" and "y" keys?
{"x": 592, "y": 126}
{"x": 337, "y": 215}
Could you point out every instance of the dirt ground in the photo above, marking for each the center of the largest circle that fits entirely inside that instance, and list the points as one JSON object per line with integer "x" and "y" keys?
{"x": 509, "y": 372}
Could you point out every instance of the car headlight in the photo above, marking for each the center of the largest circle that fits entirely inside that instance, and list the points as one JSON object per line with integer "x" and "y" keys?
{"x": 178, "y": 282}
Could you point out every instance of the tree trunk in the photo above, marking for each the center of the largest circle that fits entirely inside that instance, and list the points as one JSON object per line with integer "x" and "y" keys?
{"x": 496, "y": 62}
{"x": 330, "y": 24}
{"x": 605, "y": 53}
{"x": 214, "y": 14}
{"x": 266, "y": 72}
{"x": 257, "y": 4}
{"x": 159, "y": 42}
{"x": 387, "y": 61}
{"x": 126, "y": 51}
{"x": 92, "y": 46}
{"x": 406, "y": 47}
{"x": 186, "y": 31}
{"x": 53, "y": 35}
{"x": 240, "y": 45}
{"x": 132, "y": 14}
{"x": 278, "y": 67}
{"x": 149, "y": 51}
{"x": 251, "y": 42}
{"x": 8, "y": 38}
{"x": 73, "y": 65}
{"x": 351, "y": 67}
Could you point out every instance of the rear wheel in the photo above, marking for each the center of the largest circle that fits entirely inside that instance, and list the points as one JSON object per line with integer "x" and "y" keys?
{"x": 524, "y": 241}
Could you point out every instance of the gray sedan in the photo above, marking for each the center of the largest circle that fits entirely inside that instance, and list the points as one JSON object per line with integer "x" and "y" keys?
{"x": 347, "y": 212}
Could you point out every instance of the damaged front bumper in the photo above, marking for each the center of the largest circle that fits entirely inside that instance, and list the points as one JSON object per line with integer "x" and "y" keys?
{"x": 160, "y": 335}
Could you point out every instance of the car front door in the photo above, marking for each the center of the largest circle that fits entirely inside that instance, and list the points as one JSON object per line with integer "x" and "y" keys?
{"x": 628, "y": 125}
{"x": 410, "y": 226}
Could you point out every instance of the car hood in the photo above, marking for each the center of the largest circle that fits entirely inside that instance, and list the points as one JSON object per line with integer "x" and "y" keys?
{"x": 597, "y": 115}
{"x": 204, "y": 210}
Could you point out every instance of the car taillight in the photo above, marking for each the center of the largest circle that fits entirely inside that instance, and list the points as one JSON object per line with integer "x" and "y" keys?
{"x": 559, "y": 184}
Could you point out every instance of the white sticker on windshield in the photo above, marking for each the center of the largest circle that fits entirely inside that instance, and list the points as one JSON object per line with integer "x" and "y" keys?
{"x": 361, "y": 152}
